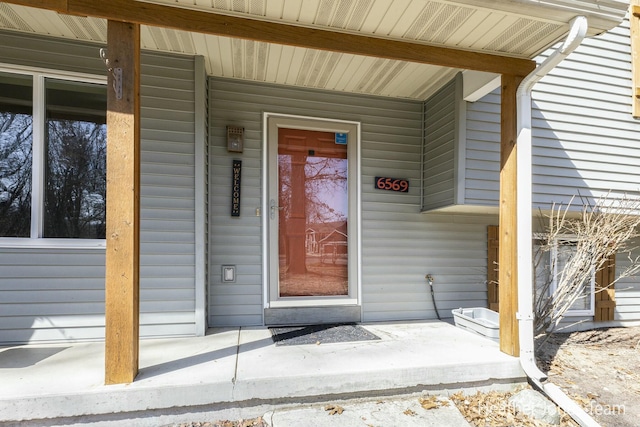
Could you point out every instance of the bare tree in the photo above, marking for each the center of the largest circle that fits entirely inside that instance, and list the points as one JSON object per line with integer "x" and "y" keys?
{"x": 15, "y": 174}
{"x": 325, "y": 177}
{"x": 585, "y": 243}
{"x": 75, "y": 199}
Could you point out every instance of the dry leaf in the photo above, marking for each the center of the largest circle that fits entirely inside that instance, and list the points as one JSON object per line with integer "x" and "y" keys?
{"x": 410, "y": 413}
{"x": 429, "y": 403}
{"x": 334, "y": 409}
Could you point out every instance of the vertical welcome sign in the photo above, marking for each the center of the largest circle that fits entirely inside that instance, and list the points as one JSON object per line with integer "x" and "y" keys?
{"x": 235, "y": 187}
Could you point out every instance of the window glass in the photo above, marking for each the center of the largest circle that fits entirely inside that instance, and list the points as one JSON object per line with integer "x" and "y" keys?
{"x": 75, "y": 167}
{"x": 566, "y": 251}
{"x": 16, "y": 131}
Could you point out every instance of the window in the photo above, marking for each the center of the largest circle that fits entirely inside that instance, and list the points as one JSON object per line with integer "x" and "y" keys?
{"x": 52, "y": 156}
{"x": 16, "y": 155}
{"x": 564, "y": 250}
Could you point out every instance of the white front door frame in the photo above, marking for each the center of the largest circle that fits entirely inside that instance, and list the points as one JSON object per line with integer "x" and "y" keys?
{"x": 273, "y": 121}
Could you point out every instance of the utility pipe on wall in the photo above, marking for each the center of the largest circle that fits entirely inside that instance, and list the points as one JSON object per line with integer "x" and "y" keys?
{"x": 524, "y": 215}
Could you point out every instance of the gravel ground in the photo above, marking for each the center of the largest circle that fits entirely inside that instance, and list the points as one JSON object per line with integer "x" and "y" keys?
{"x": 254, "y": 422}
{"x": 600, "y": 370}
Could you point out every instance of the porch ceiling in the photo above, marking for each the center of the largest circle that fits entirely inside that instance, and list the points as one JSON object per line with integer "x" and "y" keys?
{"x": 511, "y": 28}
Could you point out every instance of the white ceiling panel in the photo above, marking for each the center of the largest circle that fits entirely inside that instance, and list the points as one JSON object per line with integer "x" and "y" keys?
{"x": 518, "y": 28}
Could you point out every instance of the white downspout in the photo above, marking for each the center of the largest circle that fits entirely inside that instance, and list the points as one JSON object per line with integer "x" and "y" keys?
{"x": 524, "y": 214}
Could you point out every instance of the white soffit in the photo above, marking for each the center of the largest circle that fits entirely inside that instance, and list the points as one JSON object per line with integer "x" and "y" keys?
{"x": 520, "y": 29}
{"x": 476, "y": 84}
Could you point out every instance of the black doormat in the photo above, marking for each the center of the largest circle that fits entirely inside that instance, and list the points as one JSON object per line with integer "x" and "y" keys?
{"x": 320, "y": 334}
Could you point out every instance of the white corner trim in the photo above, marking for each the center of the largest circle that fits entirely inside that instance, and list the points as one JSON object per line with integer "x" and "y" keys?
{"x": 201, "y": 195}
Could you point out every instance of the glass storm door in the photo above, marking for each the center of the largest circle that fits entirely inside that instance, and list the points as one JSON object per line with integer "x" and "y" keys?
{"x": 312, "y": 214}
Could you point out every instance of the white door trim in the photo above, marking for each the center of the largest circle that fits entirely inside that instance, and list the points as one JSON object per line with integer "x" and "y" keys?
{"x": 355, "y": 265}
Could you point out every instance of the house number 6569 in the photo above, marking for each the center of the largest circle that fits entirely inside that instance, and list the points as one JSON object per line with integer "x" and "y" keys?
{"x": 392, "y": 184}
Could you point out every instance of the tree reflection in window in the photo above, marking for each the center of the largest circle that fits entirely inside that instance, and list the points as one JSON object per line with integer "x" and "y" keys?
{"x": 75, "y": 167}
{"x": 72, "y": 177}
{"x": 16, "y": 132}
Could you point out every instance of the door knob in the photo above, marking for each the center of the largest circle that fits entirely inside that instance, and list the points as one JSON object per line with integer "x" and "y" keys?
{"x": 273, "y": 208}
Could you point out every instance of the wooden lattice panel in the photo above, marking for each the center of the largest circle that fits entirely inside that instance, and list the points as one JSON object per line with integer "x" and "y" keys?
{"x": 493, "y": 239}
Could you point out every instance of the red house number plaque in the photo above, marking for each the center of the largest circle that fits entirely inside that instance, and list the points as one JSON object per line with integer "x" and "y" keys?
{"x": 392, "y": 184}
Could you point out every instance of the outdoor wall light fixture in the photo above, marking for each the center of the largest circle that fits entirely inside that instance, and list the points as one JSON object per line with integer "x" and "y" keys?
{"x": 235, "y": 139}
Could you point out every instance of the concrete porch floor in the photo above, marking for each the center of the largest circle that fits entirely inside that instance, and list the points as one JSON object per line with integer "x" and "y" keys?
{"x": 242, "y": 367}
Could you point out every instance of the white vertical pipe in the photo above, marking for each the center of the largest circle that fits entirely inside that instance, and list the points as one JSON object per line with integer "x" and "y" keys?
{"x": 524, "y": 214}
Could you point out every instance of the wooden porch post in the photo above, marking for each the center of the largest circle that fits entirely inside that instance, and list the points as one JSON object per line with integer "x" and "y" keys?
{"x": 634, "y": 24}
{"x": 123, "y": 204}
{"x": 508, "y": 267}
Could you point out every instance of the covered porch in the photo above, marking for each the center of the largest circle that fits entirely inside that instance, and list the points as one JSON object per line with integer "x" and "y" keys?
{"x": 240, "y": 369}
{"x": 419, "y": 51}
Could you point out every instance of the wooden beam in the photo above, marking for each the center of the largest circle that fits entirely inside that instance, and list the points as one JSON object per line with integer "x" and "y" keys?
{"x": 508, "y": 259}
{"x": 634, "y": 24}
{"x": 285, "y": 34}
{"x": 123, "y": 205}
{"x": 55, "y": 5}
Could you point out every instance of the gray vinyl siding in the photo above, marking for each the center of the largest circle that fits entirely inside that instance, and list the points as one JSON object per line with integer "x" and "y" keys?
{"x": 58, "y": 293}
{"x": 585, "y": 141}
{"x": 627, "y": 289}
{"x": 482, "y": 154}
{"x": 51, "y": 294}
{"x": 167, "y": 225}
{"x": 439, "y": 148}
{"x": 234, "y": 240}
{"x": 399, "y": 244}
{"x": 399, "y": 253}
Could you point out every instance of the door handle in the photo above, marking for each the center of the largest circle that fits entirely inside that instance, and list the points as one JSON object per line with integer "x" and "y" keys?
{"x": 273, "y": 208}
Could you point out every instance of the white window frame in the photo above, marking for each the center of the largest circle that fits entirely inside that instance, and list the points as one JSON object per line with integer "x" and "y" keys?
{"x": 36, "y": 239}
{"x": 554, "y": 262}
